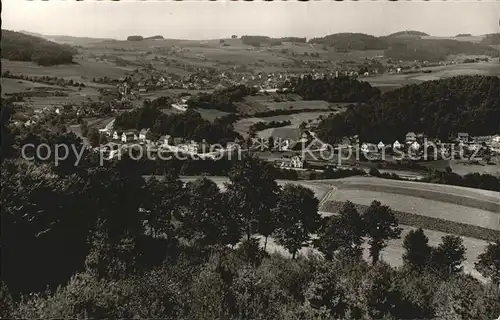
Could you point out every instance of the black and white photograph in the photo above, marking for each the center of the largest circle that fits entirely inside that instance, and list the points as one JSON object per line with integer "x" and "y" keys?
{"x": 253, "y": 160}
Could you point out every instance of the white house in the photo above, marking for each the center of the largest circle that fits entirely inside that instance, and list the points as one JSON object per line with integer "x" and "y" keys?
{"x": 415, "y": 146}
{"x": 142, "y": 134}
{"x": 117, "y": 135}
{"x": 380, "y": 145}
{"x": 463, "y": 137}
{"x": 474, "y": 147}
{"x": 129, "y": 136}
{"x": 295, "y": 162}
{"x": 410, "y": 137}
{"x": 368, "y": 147}
{"x": 166, "y": 140}
{"x": 396, "y": 145}
{"x": 281, "y": 144}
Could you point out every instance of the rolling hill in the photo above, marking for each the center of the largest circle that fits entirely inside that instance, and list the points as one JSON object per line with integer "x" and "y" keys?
{"x": 17, "y": 46}
{"x": 408, "y": 33}
{"x": 352, "y": 41}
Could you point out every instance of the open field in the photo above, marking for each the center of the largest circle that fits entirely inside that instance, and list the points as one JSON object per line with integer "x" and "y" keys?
{"x": 14, "y": 85}
{"x": 463, "y": 169}
{"x": 242, "y": 126}
{"x": 462, "y": 205}
{"x": 472, "y": 38}
{"x": 391, "y": 81}
{"x": 83, "y": 69}
{"x": 421, "y": 206}
{"x": 459, "y": 196}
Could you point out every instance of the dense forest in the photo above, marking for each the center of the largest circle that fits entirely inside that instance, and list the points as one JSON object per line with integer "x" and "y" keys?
{"x": 140, "y": 38}
{"x": 434, "y": 50}
{"x": 408, "y": 33}
{"x": 257, "y": 41}
{"x": 294, "y": 39}
{"x": 189, "y": 125}
{"x": 439, "y": 108}
{"x": 339, "y": 89}
{"x": 22, "y": 47}
{"x": 222, "y": 100}
{"x": 352, "y": 41}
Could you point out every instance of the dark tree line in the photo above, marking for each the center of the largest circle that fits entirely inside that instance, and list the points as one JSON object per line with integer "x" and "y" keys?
{"x": 222, "y": 100}
{"x": 17, "y": 46}
{"x": 257, "y": 41}
{"x": 439, "y": 108}
{"x": 339, "y": 89}
{"x": 351, "y": 41}
{"x": 261, "y": 125}
{"x": 433, "y": 50}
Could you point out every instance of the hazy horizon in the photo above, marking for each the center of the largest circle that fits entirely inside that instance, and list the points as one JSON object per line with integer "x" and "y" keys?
{"x": 199, "y": 20}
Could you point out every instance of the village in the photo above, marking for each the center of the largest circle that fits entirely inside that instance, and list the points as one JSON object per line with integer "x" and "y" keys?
{"x": 308, "y": 152}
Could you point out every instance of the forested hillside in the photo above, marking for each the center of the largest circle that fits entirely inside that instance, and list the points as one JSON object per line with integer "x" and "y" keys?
{"x": 435, "y": 49}
{"x": 352, "y": 41}
{"x": 408, "y": 33}
{"x": 17, "y": 46}
{"x": 439, "y": 108}
{"x": 340, "y": 89}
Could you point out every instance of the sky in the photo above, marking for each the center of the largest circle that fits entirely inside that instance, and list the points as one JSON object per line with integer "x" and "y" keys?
{"x": 220, "y": 19}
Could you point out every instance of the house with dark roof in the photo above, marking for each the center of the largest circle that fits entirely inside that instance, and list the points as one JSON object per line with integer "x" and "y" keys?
{"x": 130, "y": 136}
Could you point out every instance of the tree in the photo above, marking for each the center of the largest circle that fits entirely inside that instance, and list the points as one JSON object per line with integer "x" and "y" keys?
{"x": 447, "y": 258}
{"x": 298, "y": 218}
{"x": 488, "y": 263}
{"x": 381, "y": 226}
{"x": 342, "y": 233}
{"x": 94, "y": 137}
{"x": 418, "y": 251}
{"x": 162, "y": 200}
{"x": 252, "y": 194}
{"x": 205, "y": 219}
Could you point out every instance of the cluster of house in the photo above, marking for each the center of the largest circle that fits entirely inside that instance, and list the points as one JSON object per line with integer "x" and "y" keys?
{"x": 415, "y": 143}
{"x": 143, "y": 137}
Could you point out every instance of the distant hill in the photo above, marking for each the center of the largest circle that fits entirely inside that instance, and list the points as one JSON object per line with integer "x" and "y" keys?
{"x": 408, "y": 33}
{"x": 140, "y": 38}
{"x": 70, "y": 40}
{"x": 32, "y": 33}
{"x": 463, "y": 35}
{"x": 352, "y": 41}
{"x": 435, "y": 49}
{"x": 155, "y": 38}
{"x": 491, "y": 39}
{"x": 18, "y": 46}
